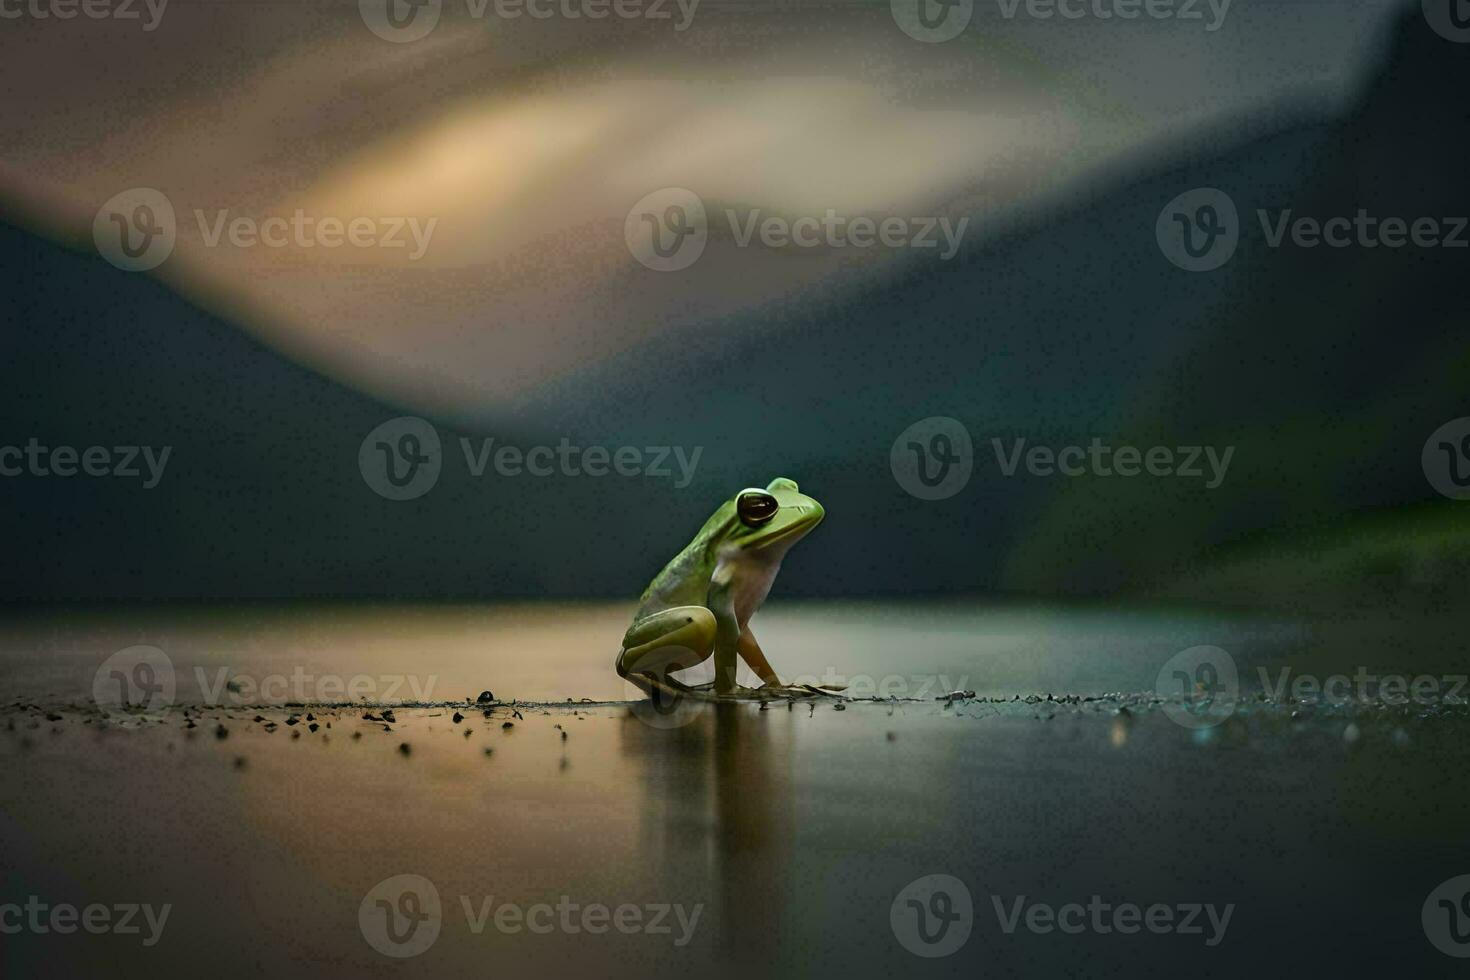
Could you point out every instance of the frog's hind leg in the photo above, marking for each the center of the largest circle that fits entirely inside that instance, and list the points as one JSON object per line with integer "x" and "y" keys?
{"x": 675, "y": 639}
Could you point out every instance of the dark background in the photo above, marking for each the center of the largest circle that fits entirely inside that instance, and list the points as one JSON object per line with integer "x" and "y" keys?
{"x": 1326, "y": 369}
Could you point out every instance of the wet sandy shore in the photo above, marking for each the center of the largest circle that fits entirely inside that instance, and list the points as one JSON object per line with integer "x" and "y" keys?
{"x": 773, "y": 840}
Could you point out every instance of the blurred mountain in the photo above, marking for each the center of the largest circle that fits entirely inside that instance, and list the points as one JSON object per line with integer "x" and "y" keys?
{"x": 1325, "y": 368}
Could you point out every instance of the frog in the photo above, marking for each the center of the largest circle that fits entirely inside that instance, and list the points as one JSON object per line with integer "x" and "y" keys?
{"x": 701, "y": 603}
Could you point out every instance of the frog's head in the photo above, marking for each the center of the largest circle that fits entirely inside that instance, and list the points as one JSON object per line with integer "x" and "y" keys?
{"x": 774, "y": 518}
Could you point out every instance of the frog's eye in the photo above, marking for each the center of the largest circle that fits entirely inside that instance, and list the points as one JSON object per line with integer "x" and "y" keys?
{"x": 756, "y": 507}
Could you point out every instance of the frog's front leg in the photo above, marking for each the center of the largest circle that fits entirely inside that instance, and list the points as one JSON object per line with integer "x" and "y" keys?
{"x": 755, "y": 658}
{"x": 727, "y": 631}
{"x": 674, "y": 639}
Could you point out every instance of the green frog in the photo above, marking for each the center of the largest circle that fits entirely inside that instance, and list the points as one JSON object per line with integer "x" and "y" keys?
{"x": 701, "y": 603}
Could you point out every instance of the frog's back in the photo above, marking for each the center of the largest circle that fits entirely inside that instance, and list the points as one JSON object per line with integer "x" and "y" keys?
{"x": 684, "y": 581}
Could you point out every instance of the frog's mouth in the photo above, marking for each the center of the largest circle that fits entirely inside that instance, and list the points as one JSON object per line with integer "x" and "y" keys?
{"x": 793, "y": 530}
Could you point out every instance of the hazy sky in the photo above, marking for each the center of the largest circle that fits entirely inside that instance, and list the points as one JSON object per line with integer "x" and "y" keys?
{"x": 526, "y": 142}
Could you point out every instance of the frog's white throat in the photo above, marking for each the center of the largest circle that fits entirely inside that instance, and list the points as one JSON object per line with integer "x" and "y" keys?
{"x": 751, "y": 573}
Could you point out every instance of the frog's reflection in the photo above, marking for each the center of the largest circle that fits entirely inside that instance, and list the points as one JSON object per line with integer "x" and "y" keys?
{"x": 718, "y": 814}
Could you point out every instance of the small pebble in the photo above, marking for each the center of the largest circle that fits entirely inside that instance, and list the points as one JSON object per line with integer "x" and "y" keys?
{"x": 403, "y": 748}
